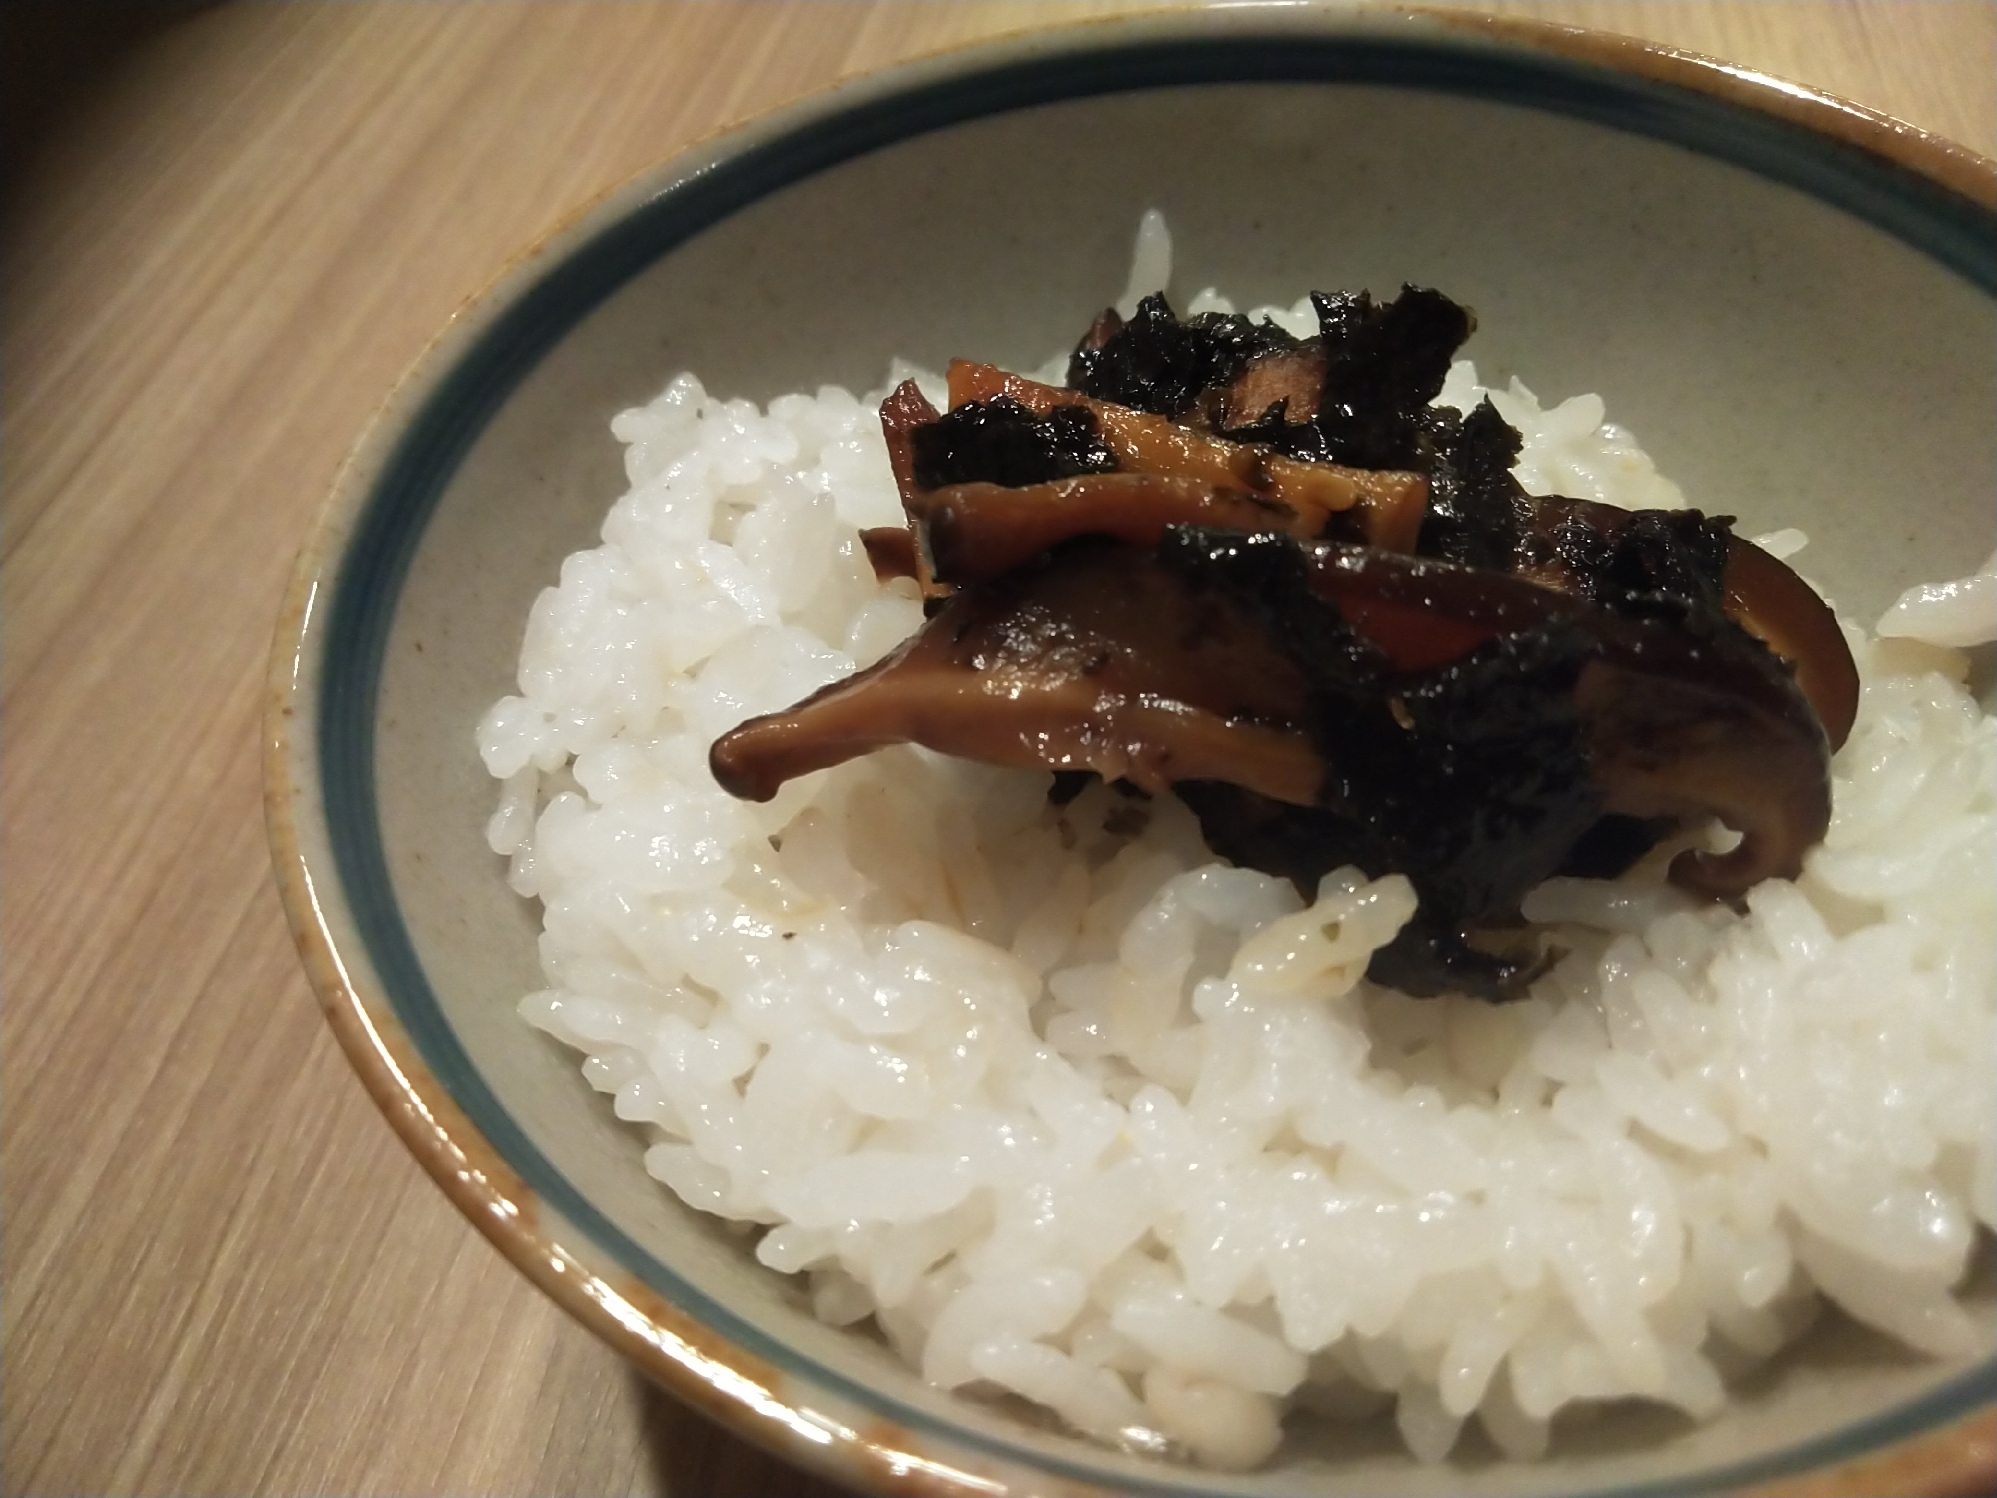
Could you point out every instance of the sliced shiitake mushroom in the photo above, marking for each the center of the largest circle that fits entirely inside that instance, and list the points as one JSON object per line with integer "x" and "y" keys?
{"x": 1096, "y": 658}
{"x": 1200, "y": 600}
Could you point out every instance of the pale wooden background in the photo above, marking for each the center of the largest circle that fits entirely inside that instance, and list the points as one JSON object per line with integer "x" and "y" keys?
{"x": 222, "y": 1273}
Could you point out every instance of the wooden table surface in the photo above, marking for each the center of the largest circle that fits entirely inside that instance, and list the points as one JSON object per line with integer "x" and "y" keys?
{"x": 222, "y": 1274}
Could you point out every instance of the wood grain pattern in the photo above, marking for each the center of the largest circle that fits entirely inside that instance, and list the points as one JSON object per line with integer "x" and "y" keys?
{"x": 222, "y": 1273}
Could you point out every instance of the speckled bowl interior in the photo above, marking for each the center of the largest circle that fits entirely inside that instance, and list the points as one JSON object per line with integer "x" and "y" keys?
{"x": 1799, "y": 329}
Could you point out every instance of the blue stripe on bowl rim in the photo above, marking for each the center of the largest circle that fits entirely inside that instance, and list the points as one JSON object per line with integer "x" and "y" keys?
{"x": 1951, "y": 229}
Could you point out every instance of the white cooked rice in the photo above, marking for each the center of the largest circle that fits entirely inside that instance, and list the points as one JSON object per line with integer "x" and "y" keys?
{"x": 1073, "y": 1110}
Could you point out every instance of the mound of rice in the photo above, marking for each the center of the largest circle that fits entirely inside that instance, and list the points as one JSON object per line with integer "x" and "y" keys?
{"x": 1070, "y": 1109}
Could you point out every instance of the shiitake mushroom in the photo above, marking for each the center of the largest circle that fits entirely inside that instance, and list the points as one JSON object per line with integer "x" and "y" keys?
{"x": 1414, "y": 668}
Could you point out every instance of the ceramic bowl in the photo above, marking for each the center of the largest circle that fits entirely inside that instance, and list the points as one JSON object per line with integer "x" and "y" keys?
{"x": 1789, "y": 299}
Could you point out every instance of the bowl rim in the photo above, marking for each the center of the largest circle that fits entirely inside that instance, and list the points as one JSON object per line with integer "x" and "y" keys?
{"x": 816, "y": 1417}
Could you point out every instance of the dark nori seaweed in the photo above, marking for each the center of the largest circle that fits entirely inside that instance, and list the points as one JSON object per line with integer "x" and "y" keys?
{"x": 1387, "y": 361}
{"x": 1470, "y": 778}
{"x": 1157, "y": 363}
{"x": 1659, "y": 561}
{"x": 1476, "y": 509}
{"x": 999, "y": 441}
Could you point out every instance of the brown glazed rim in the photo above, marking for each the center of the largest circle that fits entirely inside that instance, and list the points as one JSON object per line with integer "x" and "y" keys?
{"x": 751, "y": 1396}
{"x": 1955, "y": 167}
